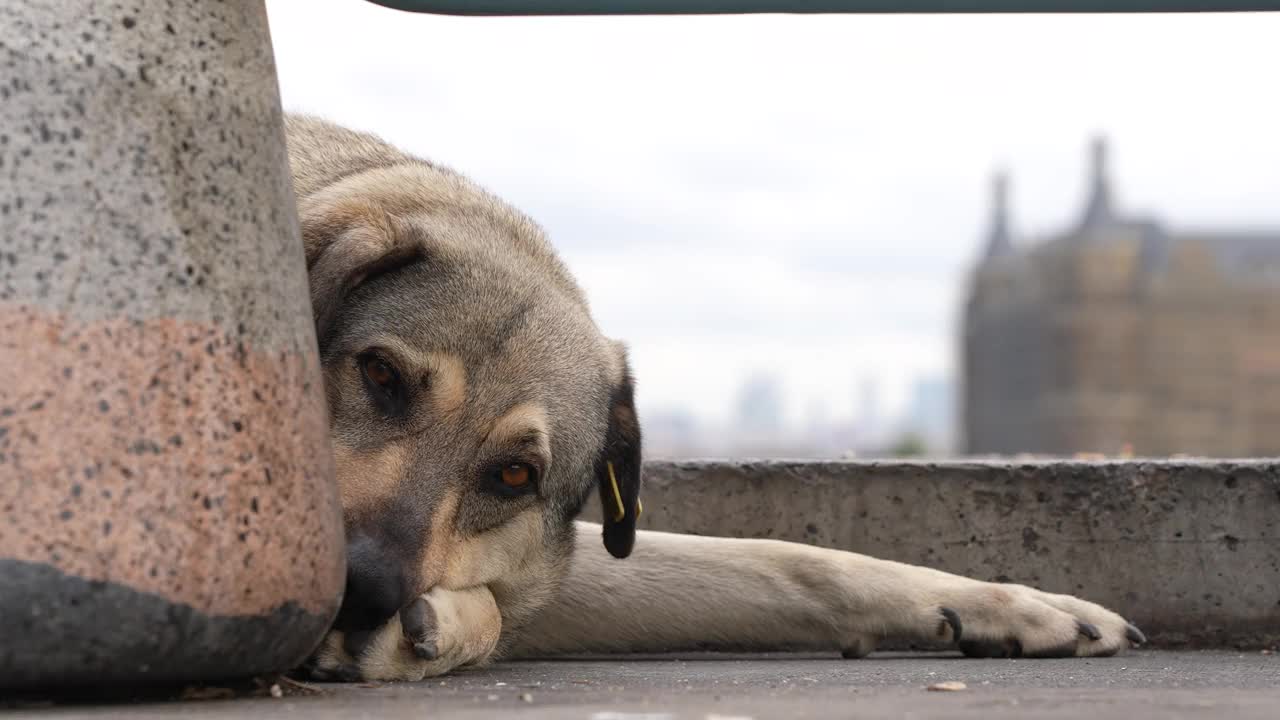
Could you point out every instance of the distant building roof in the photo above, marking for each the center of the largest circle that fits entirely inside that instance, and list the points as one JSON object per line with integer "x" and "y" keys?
{"x": 1237, "y": 253}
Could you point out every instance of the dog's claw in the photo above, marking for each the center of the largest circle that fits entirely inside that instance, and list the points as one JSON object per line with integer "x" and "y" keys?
{"x": 1088, "y": 630}
{"x": 1133, "y": 634}
{"x": 417, "y": 622}
{"x": 413, "y": 620}
{"x": 952, "y": 618}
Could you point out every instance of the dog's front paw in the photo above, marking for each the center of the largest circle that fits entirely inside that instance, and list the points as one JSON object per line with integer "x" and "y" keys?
{"x": 439, "y": 632}
{"x": 999, "y": 620}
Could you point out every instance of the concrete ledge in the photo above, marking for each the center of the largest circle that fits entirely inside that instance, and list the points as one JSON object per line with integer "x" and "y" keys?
{"x": 1190, "y": 551}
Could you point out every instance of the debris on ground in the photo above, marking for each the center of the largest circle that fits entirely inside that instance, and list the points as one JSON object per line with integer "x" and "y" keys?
{"x": 291, "y": 687}
{"x": 526, "y": 697}
{"x": 276, "y": 686}
{"x": 949, "y": 686}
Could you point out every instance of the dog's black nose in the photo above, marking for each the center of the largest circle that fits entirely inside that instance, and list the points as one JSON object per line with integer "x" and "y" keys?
{"x": 376, "y": 586}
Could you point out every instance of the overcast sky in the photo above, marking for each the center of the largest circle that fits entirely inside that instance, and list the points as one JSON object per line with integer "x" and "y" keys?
{"x": 800, "y": 195}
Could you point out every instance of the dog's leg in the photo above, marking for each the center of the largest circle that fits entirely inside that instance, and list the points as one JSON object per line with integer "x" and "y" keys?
{"x": 682, "y": 592}
{"x": 441, "y": 631}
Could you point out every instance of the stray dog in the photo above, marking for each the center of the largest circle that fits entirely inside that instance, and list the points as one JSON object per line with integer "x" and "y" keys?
{"x": 475, "y": 407}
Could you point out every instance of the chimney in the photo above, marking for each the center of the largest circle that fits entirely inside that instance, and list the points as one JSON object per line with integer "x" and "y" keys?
{"x": 1099, "y": 210}
{"x": 999, "y": 242}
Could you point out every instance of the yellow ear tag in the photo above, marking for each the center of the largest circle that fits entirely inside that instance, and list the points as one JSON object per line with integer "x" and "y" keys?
{"x": 639, "y": 508}
{"x": 617, "y": 495}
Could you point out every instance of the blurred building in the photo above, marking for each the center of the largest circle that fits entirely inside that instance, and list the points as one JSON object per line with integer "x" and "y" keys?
{"x": 1122, "y": 333}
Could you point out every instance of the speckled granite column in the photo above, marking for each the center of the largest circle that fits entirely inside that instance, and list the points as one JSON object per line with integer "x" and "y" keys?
{"x": 167, "y": 503}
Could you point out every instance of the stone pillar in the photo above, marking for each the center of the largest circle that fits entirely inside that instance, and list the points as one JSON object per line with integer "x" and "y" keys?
{"x": 168, "y": 510}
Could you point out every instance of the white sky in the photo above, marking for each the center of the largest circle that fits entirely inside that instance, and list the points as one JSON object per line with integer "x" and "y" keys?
{"x": 800, "y": 194}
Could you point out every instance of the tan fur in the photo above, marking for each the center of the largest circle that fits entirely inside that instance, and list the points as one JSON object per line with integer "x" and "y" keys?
{"x": 680, "y": 592}
{"x": 441, "y": 543}
{"x": 498, "y": 344}
{"x": 499, "y": 554}
{"x": 370, "y": 225}
{"x": 366, "y": 478}
{"x": 525, "y": 420}
{"x": 450, "y": 378}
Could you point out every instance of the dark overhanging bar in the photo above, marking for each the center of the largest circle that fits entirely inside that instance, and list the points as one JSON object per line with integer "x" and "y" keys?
{"x": 735, "y": 7}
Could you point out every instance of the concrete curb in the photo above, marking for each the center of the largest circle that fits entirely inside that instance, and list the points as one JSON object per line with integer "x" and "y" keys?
{"x": 1188, "y": 550}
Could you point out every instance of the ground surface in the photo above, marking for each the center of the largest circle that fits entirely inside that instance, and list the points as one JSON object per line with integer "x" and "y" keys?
{"x": 1236, "y": 685}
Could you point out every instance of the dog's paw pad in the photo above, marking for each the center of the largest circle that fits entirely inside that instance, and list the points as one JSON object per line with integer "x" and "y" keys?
{"x": 859, "y": 646}
{"x": 1009, "y": 648}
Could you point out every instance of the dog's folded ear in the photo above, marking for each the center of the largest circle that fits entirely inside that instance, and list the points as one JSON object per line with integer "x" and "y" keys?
{"x": 348, "y": 243}
{"x": 618, "y": 467}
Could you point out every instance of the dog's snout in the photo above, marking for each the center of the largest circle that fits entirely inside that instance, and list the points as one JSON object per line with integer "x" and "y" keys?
{"x": 376, "y": 585}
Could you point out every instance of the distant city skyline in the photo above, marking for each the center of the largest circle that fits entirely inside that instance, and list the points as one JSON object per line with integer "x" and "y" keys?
{"x": 756, "y": 428}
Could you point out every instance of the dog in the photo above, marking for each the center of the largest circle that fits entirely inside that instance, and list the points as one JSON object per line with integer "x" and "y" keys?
{"x": 475, "y": 408}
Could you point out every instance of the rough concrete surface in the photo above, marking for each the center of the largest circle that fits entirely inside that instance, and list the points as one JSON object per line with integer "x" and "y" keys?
{"x": 1201, "y": 684}
{"x": 1188, "y": 550}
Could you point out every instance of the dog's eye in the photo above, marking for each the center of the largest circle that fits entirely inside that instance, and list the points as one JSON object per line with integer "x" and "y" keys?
{"x": 379, "y": 371}
{"x": 382, "y": 382}
{"x": 514, "y": 479}
{"x": 517, "y": 476}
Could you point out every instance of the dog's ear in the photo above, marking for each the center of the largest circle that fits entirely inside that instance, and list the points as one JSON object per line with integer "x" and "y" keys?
{"x": 618, "y": 467}
{"x": 347, "y": 243}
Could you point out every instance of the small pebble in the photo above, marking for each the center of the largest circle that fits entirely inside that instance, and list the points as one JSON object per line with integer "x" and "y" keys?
{"x": 276, "y": 692}
{"x": 526, "y": 697}
{"x": 949, "y": 686}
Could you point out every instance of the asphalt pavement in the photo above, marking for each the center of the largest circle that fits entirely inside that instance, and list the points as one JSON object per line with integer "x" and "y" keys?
{"x": 1141, "y": 684}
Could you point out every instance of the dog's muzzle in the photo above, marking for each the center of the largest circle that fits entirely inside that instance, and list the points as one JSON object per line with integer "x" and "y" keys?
{"x": 376, "y": 585}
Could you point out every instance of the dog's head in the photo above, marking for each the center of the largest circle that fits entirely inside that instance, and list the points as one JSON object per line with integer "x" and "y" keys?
{"x": 474, "y": 403}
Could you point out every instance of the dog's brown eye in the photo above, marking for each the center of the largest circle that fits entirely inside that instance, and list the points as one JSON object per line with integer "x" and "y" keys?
{"x": 383, "y": 384}
{"x": 513, "y": 479}
{"x": 379, "y": 372}
{"x": 517, "y": 475}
